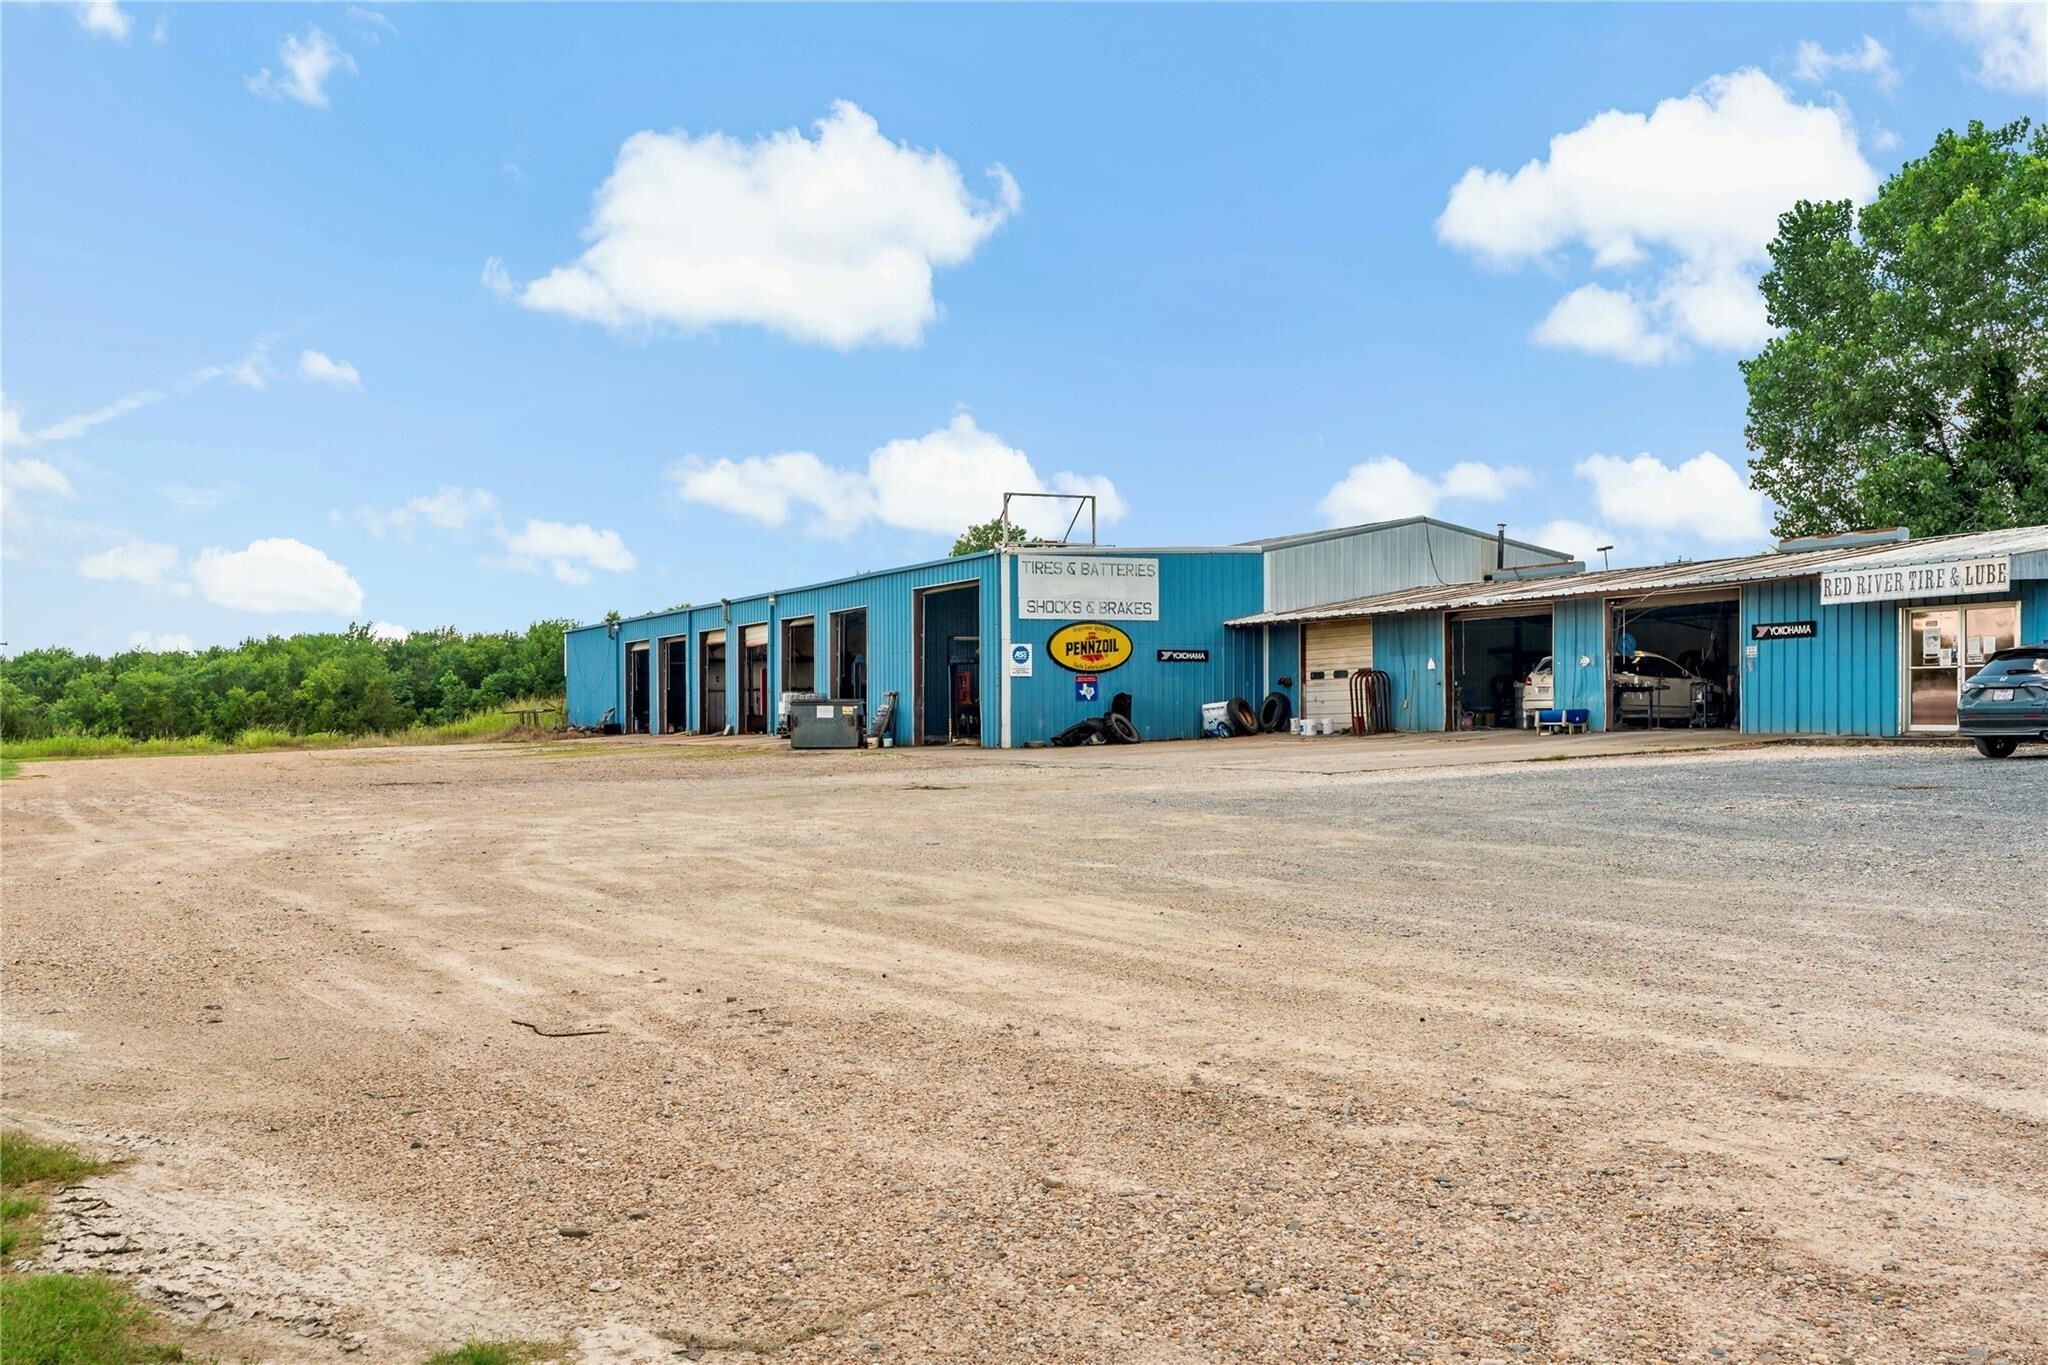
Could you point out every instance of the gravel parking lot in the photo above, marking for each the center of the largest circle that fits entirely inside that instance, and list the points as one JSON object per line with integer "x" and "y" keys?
{"x": 1259, "y": 1050}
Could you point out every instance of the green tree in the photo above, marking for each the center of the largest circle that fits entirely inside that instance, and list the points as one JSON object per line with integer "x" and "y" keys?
{"x": 1910, "y": 383}
{"x": 987, "y": 535}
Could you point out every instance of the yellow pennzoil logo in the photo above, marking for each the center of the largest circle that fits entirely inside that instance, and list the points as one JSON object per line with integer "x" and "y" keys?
{"x": 1089, "y": 647}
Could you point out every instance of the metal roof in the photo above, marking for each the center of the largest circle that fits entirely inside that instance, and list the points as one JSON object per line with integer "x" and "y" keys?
{"x": 2028, "y": 541}
{"x": 1364, "y": 528}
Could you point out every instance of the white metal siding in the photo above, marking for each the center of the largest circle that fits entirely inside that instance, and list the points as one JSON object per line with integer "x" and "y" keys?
{"x": 1333, "y": 651}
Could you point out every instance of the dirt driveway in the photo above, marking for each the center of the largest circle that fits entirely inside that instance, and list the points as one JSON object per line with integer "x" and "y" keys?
{"x": 1200, "y": 1052}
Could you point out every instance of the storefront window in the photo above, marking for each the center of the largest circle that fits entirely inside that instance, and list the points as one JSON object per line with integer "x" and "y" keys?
{"x": 1944, "y": 647}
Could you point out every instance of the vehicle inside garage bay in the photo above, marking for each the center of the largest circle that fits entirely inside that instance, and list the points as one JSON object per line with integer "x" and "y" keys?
{"x": 1872, "y": 633}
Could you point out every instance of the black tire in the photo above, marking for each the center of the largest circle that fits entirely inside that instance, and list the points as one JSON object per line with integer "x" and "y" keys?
{"x": 1996, "y": 746}
{"x": 1274, "y": 713}
{"x": 1078, "y": 733}
{"x": 1243, "y": 720}
{"x": 1120, "y": 705}
{"x": 1118, "y": 729}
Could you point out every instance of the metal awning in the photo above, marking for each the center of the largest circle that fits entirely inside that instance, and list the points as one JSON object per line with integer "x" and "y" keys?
{"x": 2028, "y": 545}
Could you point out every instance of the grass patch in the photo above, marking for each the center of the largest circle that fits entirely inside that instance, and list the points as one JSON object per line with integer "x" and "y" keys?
{"x": 62, "y": 1319}
{"x": 17, "y": 1225}
{"x": 479, "y": 728}
{"x": 76, "y": 1320}
{"x": 499, "y": 1353}
{"x": 9, "y": 767}
{"x": 25, "y": 1161}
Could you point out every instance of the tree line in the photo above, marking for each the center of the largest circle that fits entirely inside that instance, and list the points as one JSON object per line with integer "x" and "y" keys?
{"x": 349, "y": 683}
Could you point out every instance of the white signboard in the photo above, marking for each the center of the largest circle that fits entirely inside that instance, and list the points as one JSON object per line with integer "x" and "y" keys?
{"x": 1020, "y": 660}
{"x": 1960, "y": 578}
{"x": 1087, "y": 588}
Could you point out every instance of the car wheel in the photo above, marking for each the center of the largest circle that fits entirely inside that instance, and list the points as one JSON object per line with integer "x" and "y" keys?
{"x": 1996, "y": 747}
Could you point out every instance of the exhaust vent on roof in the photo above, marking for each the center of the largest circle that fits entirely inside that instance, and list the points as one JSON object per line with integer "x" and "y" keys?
{"x": 1845, "y": 540}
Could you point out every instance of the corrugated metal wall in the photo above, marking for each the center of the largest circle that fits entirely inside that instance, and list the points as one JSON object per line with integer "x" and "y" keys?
{"x": 1283, "y": 660}
{"x": 593, "y": 663}
{"x": 1384, "y": 559}
{"x": 596, "y": 676}
{"x": 1409, "y": 649}
{"x": 1578, "y": 630}
{"x": 1844, "y": 681}
{"x": 1198, "y": 592}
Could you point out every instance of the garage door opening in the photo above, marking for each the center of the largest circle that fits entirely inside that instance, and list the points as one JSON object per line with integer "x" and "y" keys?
{"x": 636, "y": 689}
{"x": 711, "y": 683}
{"x": 850, "y": 656}
{"x": 754, "y": 680}
{"x": 949, "y": 665}
{"x": 1674, "y": 664}
{"x": 1500, "y": 670}
{"x": 675, "y": 685}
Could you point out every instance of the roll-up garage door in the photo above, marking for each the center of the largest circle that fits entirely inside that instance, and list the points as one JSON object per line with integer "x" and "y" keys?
{"x": 756, "y": 635}
{"x": 1334, "y": 651}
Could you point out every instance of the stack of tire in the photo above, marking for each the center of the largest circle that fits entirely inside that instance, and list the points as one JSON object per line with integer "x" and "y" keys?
{"x": 1274, "y": 715}
{"x": 1111, "y": 727}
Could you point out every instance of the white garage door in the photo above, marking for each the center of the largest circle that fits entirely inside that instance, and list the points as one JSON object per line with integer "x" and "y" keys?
{"x": 1333, "y": 652}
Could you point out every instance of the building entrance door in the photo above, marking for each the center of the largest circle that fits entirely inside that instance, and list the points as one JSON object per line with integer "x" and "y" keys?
{"x": 1944, "y": 647}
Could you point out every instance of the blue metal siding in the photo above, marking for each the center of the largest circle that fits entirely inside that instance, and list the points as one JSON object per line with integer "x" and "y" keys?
{"x": 1409, "y": 649}
{"x": 1197, "y": 594}
{"x": 1578, "y": 630}
{"x": 890, "y": 601}
{"x": 1844, "y": 681}
{"x": 1283, "y": 660}
{"x": 594, "y": 668}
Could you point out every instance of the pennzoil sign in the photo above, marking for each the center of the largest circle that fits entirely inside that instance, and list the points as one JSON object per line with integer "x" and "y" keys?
{"x": 1089, "y": 647}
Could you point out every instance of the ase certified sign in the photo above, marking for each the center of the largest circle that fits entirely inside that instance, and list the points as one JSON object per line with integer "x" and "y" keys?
{"x": 1089, "y": 647}
{"x": 1782, "y": 630}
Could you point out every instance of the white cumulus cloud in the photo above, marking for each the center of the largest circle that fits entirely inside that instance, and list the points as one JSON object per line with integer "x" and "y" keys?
{"x": 571, "y": 551}
{"x": 1813, "y": 62}
{"x": 149, "y": 563}
{"x": 389, "y": 633}
{"x": 1678, "y": 204}
{"x": 1580, "y": 541}
{"x": 322, "y": 369}
{"x": 938, "y": 483}
{"x": 449, "y": 508}
{"x": 2010, "y": 38}
{"x": 1704, "y": 496}
{"x": 308, "y": 61}
{"x": 831, "y": 239}
{"x": 1388, "y": 489}
{"x": 104, "y": 18}
{"x": 277, "y": 574}
{"x": 1603, "y": 321}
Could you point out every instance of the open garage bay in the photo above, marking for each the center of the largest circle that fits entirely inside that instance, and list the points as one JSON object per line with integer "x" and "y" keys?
{"x": 1251, "y": 1050}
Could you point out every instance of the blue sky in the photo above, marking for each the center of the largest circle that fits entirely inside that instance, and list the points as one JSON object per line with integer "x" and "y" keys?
{"x": 475, "y": 314}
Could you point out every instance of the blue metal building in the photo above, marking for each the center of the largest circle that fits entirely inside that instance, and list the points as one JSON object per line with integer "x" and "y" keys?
{"x": 1859, "y": 635}
{"x": 967, "y": 644}
{"x": 1869, "y": 634}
